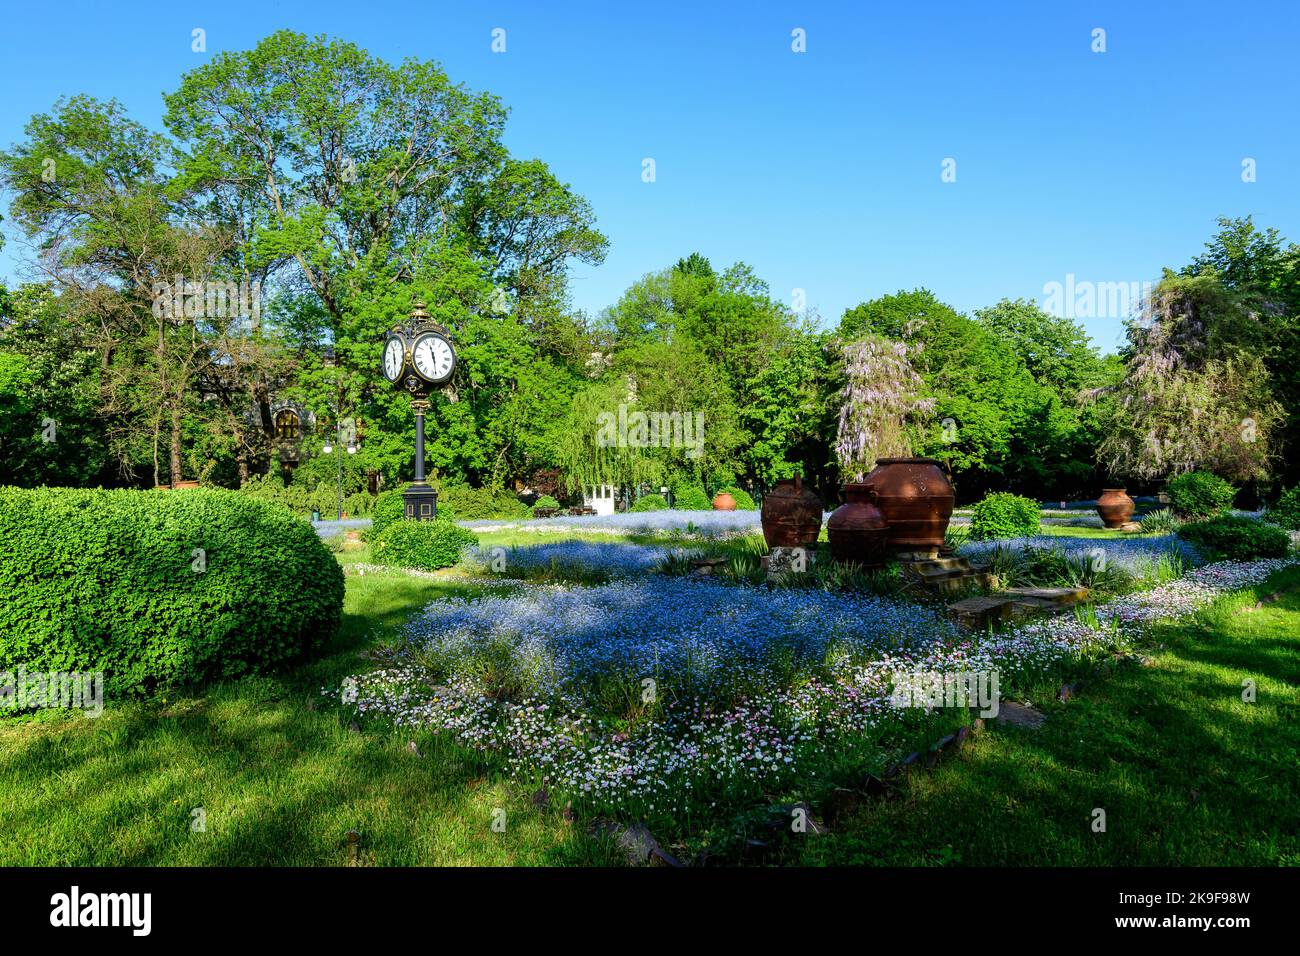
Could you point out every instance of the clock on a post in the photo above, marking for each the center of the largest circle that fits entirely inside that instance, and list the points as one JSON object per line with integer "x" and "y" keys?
{"x": 418, "y": 358}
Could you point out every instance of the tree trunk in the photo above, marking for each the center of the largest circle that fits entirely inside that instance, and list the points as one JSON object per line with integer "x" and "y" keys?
{"x": 176, "y": 445}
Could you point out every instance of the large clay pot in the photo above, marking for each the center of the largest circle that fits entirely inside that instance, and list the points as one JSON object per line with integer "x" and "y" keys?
{"x": 1115, "y": 507}
{"x": 723, "y": 501}
{"x": 857, "y": 530}
{"x": 916, "y": 499}
{"x": 791, "y": 515}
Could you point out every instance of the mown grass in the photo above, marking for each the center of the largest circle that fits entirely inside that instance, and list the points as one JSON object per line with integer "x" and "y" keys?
{"x": 279, "y": 774}
{"x": 1187, "y": 772}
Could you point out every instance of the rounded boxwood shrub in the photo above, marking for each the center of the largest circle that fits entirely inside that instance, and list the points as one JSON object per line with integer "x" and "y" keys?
{"x": 545, "y": 502}
{"x": 650, "y": 503}
{"x": 691, "y": 498}
{"x": 160, "y": 588}
{"x": 1199, "y": 494}
{"x": 388, "y": 507}
{"x": 423, "y": 545}
{"x": 1287, "y": 510}
{"x": 1004, "y": 515}
{"x": 482, "y": 504}
{"x": 744, "y": 501}
{"x": 1237, "y": 539}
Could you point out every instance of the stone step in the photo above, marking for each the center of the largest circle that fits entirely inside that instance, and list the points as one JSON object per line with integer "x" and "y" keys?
{"x": 1049, "y": 598}
{"x": 936, "y": 564}
{"x": 977, "y": 613}
{"x": 1014, "y": 604}
{"x": 962, "y": 582}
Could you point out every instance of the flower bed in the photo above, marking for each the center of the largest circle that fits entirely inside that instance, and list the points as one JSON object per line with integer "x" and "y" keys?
{"x": 702, "y": 523}
{"x": 1130, "y": 554}
{"x": 572, "y": 559}
{"x": 756, "y": 689}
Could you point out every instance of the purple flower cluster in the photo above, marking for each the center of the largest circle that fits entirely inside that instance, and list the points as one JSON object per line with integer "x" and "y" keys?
{"x": 574, "y": 557}
{"x": 707, "y": 524}
{"x": 1134, "y": 554}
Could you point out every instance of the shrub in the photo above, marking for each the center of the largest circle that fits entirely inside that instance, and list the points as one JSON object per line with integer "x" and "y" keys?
{"x": 481, "y": 504}
{"x": 423, "y": 545}
{"x": 388, "y": 507}
{"x": 650, "y": 503}
{"x": 1161, "y": 521}
{"x": 545, "y": 501}
{"x": 1237, "y": 539}
{"x": 744, "y": 501}
{"x": 1003, "y": 515}
{"x": 1199, "y": 494}
{"x": 691, "y": 498}
{"x": 1287, "y": 510}
{"x": 112, "y": 581}
{"x": 358, "y": 505}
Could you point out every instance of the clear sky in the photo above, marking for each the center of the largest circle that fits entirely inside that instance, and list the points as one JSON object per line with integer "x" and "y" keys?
{"x": 821, "y": 169}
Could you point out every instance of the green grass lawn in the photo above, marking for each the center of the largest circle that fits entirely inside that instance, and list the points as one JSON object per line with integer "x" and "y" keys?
{"x": 1186, "y": 772}
{"x": 279, "y": 774}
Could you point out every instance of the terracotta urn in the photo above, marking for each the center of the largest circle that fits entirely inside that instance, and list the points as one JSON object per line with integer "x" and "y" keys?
{"x": 916, "y": 499}
{"x": 1115, "y": 507}
{"x": 723, "y": 501}
{"x": 857, "y": 530}
{"x": 791, "y": 515}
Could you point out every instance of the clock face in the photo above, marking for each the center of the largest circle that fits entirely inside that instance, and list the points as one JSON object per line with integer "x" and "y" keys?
{"x": 393, "y": 359}
{"x": 433, "y": 358}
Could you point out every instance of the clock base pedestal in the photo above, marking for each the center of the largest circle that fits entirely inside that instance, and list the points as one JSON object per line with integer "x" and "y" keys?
{"x": 420, "y": 503}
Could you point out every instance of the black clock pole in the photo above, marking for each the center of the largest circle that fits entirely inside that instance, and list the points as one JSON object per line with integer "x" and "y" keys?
{"x": 421, "y": 501}
{"x": 419, "y": 407}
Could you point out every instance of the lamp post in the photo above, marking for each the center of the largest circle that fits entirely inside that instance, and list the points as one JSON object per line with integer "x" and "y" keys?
{"x": 338, "y": 447}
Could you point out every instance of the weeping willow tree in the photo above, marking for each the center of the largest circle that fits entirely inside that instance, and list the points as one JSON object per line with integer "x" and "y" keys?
{"x": 882, "y": 392}
{"x": 588, "y": 455}
{"x": 1196, "y": 393}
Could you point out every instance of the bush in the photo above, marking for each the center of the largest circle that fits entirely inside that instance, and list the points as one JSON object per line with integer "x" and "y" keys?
{"x": 423, "y": 545}
{"x": 1199, "y": 494}
{"x": 296, "y": 497}
{"x": 113, "y": 581}
{"x": 358, "y": 505}
{"x": 691, "y": 498}
{"x": 388, "y": 507}
{"x": 1287, "y": 510}
{"x": 1003, "y": 515}
{"x": 481, "y": 504}
{"x": 649, "y": 503}
{"x": 1161, "y": 521}
{"x": 546, "y": 501}
{"x": 744, "y": 501}
{"x": 1237, "y": 539}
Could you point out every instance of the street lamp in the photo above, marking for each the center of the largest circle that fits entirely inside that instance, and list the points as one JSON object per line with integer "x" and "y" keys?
{"x": 338, "y": 446}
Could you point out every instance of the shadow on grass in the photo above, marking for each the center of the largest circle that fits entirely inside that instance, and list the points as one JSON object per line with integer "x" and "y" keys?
{"x": 1186, "y": 771}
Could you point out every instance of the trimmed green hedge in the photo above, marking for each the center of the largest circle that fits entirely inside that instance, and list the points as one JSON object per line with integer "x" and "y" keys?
{"x": 650, "y": 503}
{"x": 1237, "y": 539}
{"x": 423, "y": 545}
{"x": 691, "y": 498}
{"x": 479, "y": 504}
{"x": 160, "y": 588}
{"x": 388, "y": 507}
{"x": 1199, "y": 494}
{"x": 1003, "y": 515}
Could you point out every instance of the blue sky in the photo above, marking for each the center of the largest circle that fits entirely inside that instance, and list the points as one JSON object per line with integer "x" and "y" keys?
{"x": 821, "y": 169}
